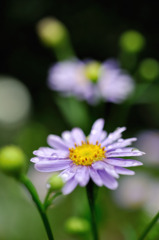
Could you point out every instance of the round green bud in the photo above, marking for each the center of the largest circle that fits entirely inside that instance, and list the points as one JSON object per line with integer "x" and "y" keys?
{"x": 12, "y": 160}
{"x": 55, "y": 183}
{"x": 149, "y": 69}
{"x": 77, "y": 226}
{"x": 92, "y": 71}
{"x": 51, "y": 31}
{"x": 132, "y": 41}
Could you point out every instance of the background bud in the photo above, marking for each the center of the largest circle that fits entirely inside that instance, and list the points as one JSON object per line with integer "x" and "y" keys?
{"x": 54, "y": 34}
{"x": 12, "y": 160}
{"x": 55, "y": 183}
{"x": 51, "y": 31}
{"x": 149, "y": 69}
{"x": 77, "y": 226}
{"x": 132, "y": 41}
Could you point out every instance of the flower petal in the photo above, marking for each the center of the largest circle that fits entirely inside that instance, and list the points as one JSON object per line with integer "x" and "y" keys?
{"x": 98, "y": 125}
{"x": 95, "y": 176}
{"x": 52, "y": 166}
{"x": 112, "y": 137}
{"x": 96, "y": 130}
{"x": 67, "y": 174}
{"x": 103, "y": 135}
{"x": 82, "y": 175}
{"x": 69, "y": 186}
{"x": 67, "y": 137}
{"x": 78, "y": 135}
{"x": 123, "y": 152}
{"x": 99, "y": 165}
{"x": 108, "y": 180}
{"x": 45, "y": 152}
{"x": 34, "y": 159}
{"x": 56, "y": 142}
{"x": 123, "y": 162}
{"x": 124, "y": 171}
{"x": 121, "y": 143}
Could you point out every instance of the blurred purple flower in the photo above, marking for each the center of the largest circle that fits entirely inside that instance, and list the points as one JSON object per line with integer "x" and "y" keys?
{"x": 98, "y": 156}
{"x": 138, "y": 192}
{"x": 133, "y": 192}
{"x": 149, "y": 141}
{"x": 91, "y": 80}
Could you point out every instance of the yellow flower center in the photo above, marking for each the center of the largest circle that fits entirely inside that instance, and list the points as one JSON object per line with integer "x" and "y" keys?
{"x": 92, "y": 71}
{"x": 87, "y": 153}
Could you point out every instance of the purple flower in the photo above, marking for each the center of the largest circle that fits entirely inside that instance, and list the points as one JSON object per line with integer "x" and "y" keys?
{"x": 149, "y": 141}
{"x": 91, "y": 81}
{"x": 137, "y": 192}
{"x": 98, "y": 156}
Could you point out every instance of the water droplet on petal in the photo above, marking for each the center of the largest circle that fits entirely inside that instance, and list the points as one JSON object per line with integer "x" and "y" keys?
{"x": 109, "y": 147}
{"x": 54, "y": 155}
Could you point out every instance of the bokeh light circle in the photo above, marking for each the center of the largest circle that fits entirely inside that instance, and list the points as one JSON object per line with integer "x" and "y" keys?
{"x": 15, "y": 101}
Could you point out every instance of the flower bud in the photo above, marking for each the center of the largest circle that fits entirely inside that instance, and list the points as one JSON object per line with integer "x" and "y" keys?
{"x": 77, "y": 226}
{"x": 55, "y": 183}
{"x": 12, "y": 160}
{"x": 149, "y": 69}
{"x": 132, "y": 41}
{"x": 51, "y": 31}
{"x": 92, "y": 71}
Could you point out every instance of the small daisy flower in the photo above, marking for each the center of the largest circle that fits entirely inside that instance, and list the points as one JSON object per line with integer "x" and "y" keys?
{"x": 98, "y": 157}
{"x": 91, "y": 81}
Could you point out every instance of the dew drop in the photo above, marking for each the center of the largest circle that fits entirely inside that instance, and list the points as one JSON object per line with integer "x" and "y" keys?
{"x": 54, "y": 155}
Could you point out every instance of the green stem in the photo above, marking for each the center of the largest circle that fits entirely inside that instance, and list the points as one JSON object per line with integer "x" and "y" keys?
{"x": 149, "y": 227}
{"x": 46, "y": 198}
{"x": 30, "y": 187}
{"x": 48, "y": 201}
{"x": 91, "y": 200}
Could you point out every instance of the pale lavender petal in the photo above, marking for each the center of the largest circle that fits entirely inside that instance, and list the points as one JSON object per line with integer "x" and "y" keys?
{"x": 124, "y": 171}
{"x": 123, "y": 162}
{"x": 96, "y": 131}
{"x": 34, "y": 159}
{"x": 67, "y": 137}
{"x": 95, "y": 176}
{"x": 62, "y": 76}
{"x": 78, "y": 135}
{"x": 112, "y": 137}
{"x": 56, "y": 142}
{"x": 67, "y": 174}
{"x": 103, "y": 135}
{"x": 126, "y": 149}
{"x": 82, "y": 175}
{"x": 124, "y": 152}
{"x": 114, "y": 85}
{"x": 69, "y": 186}
{"x": 44, "y": 152}
{"x": 51, "y": 153}
{"x": 99, "y": 165}
{"x": 98, "y": 125}
{"x": 111, "y": 170}
{"x": 121, "y": 143}
{"x": 52, "y": 166}
{"x": 108, "y": 180}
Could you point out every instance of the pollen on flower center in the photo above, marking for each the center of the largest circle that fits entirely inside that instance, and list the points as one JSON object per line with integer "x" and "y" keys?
{"x": 87, "y": 153}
